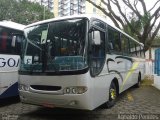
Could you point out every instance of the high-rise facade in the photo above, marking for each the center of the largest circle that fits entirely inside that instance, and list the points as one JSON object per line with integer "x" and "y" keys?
{"x": 71, "y": 7}
{"x": 46, "y": 3}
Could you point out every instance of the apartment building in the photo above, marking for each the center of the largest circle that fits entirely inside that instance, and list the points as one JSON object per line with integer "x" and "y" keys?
{"x": 47, "y": 3}
{"x": 71, "y": 7}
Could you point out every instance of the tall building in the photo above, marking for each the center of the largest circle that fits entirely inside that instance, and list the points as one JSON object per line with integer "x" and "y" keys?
{"x": 71, "y": 7}
{"x": 47, "y": 3}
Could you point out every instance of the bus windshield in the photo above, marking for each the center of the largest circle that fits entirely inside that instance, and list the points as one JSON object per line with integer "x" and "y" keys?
{"x": 55, "y": 46}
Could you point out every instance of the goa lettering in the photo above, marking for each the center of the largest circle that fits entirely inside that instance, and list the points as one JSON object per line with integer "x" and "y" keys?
{"x": 11, "y": 62}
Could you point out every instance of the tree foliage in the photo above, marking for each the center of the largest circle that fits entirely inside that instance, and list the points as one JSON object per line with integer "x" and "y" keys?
{"x": 156, "y": 41}
{"x": 139, "y": 24}
{"x": 23, "y": 11}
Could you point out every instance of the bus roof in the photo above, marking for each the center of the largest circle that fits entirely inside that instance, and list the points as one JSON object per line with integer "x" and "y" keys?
{"x": 89, "y": 16}
{"x": 12, "y": 25}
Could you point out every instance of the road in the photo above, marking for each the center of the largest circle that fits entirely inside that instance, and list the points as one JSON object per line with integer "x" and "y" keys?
{"x": 134, "y": 103}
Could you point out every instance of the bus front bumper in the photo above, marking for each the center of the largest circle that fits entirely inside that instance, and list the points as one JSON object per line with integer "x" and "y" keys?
{"x": 76, "y": 101}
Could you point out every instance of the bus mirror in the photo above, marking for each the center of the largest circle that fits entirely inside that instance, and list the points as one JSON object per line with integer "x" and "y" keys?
{"x": 13, "y": 43}
{"x": 96, "y": 37}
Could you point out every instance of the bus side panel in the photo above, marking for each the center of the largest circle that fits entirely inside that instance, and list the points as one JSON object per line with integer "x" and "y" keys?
{"x": 142, "y": 68}
{"x": 124, "y": 69}
{"x": 102, "y": 82}
{"x": 9, "y": 84}
{"x": 101, "y": 89}
{"x": 9, "y": 65}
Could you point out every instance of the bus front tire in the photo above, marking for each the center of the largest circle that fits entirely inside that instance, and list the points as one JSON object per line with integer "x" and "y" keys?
{"x": 112, "y": 95}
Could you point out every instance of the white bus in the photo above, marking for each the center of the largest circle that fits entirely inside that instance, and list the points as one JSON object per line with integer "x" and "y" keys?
{"x": 78, "y": 62}
{"x": 9, "y": 58}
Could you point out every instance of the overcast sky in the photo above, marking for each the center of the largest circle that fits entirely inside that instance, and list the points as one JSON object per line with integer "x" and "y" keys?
{"x": 149, "y": 5}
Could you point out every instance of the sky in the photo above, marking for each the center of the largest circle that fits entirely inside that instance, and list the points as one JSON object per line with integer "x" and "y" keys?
{"x": 149, "y": 5}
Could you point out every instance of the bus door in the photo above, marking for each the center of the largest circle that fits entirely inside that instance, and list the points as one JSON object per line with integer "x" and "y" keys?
{"x": 97, "y": 50}
{"x": 97, "y": 62}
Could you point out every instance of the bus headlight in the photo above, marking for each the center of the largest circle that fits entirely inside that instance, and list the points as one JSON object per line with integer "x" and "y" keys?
{"x": 75, "y": 90}
{"x": 23, "y": 87}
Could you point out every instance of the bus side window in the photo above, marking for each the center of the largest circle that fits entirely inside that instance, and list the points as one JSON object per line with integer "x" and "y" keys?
{"x": 132, "y": 49}
{"x": 110, "y": 45}
{"x": 16, "y": 43}
{"x": 3, "y": 42}
{"x": 113, "y": 41}
{"x": 142, "y": 52}
{"x": 124, "y": 44}
{"x": 139, "y": 51}
{"x": 6, "y": 41}
{"x": 8, "y": 45}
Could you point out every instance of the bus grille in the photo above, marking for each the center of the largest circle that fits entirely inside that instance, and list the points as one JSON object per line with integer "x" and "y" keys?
{"x": 46, "y": 88}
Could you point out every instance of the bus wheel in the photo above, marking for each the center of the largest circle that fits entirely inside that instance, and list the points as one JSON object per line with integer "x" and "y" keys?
{"x": 137, "y": 85}
{"x": 112, "y": 95}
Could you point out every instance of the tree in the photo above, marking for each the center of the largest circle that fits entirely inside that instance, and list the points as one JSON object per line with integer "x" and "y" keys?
{"x": 156, "y": 41}
{"x": 144, "y": 20}
{"x": 23, "y": 11}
